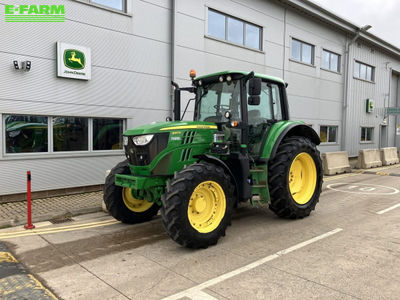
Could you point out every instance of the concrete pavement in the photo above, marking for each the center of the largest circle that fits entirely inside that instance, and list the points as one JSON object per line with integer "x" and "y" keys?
{"x": 99, "y": 257}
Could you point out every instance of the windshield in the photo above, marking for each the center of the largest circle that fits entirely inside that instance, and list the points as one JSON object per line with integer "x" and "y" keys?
{"x": 214, "y": 99}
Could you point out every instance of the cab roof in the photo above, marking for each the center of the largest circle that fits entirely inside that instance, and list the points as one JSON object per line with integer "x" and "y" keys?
{"x": 263, "y": 76}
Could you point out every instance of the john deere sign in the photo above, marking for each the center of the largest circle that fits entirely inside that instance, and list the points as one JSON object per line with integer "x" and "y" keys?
{"x": 73, "y": 61}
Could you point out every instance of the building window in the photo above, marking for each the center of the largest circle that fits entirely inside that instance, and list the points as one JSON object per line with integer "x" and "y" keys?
{"x": 114, "y": 4}
{"x": 367, "y": 134}
{"x": 328, "y": 134}
{"x": 330, "y": 61}
{"x": 363, "y": 71}
{"x": 26, "y": 134}
{"x": 70, "y": 134}
{"x": 234, "y": 30}
{"x": 107, "y": 134}
{"x": 302, "y": 52}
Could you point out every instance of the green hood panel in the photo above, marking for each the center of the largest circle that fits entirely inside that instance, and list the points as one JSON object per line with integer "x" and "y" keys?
{"x": 158, "y": 127}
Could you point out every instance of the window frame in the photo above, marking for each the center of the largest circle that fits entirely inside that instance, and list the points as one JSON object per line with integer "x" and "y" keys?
{"x": 301, "y": 52}
{"x": 244, "y": 23}
{"x": 125, "y": 7}
{"x": 366, "y": 71}
{"x": 338, "y": 71}
{"x": 328, "y": 133}
{"x": 372, "y": 135}
{"x": 50, "y": 140}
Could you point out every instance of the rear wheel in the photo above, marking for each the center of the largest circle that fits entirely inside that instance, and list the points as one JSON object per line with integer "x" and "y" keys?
{"x": 295, "y": 178}
{"x": 197, "y": 206}
{"x": 122, "y": 204}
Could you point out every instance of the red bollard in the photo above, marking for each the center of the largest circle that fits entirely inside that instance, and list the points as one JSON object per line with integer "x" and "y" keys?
{"x": 29, "y": 198}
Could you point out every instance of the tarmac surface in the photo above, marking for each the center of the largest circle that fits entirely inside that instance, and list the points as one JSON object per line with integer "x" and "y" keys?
{"x": 349, "y": 248}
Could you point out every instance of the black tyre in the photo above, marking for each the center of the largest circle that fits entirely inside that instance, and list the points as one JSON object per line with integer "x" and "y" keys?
{"x": 197, "y": 207}
{"x": 295, "y": 178}
{"x": 120, "y": 202}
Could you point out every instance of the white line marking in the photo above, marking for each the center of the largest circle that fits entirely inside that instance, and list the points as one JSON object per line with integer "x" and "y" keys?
{"x": 388, "y": 209}
{"x": 198, "y": 288}
{"x": 357, "y": 185}
{"x": 200, "y": 295}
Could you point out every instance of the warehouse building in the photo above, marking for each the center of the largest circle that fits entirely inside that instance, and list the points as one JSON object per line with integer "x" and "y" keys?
{"x": 71, "y": 85}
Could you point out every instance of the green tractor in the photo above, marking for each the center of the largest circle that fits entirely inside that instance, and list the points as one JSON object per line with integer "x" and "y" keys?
{"x": 240, "y": 146}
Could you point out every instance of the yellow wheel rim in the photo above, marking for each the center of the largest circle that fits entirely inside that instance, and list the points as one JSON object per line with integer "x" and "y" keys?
{"x": 135, "y": 205}
{"x": 207, "y": 206}
{"x": 302, "y": 178}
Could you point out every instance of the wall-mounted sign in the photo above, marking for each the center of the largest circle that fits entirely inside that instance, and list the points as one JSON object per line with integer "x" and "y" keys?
{"x": 393, "y": 110}
{"x": 73, "y": 61}
{"x": 370, "y": 106}
{"x": 398, "y": 129}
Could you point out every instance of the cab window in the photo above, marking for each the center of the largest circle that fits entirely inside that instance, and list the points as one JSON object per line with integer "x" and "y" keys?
{"x": 270, "y": 105}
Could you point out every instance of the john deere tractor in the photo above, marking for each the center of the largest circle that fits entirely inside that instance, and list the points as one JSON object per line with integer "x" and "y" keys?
{"x": 240, "y": 146}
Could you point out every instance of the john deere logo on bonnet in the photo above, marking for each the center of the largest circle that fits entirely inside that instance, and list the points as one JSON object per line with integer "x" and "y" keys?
{"x": 34, "y": 13}
{"x": 74, "y": 59}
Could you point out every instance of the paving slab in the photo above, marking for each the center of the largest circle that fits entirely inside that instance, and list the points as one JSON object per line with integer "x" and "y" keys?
{"x": 15, "y": 213}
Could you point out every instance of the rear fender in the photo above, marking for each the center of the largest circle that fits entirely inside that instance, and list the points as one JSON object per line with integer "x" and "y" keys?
{"x": 284, "y": 129}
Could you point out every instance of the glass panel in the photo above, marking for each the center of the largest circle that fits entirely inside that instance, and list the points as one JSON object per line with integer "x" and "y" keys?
{"x": 296, "y": 50}
{"x": 325, "y": 59}
{"x": 116, "y": 4}
{"x": 25, "y": 134}
{"x": 261, "y": 113}
{"x": 306, "y": 53}
{"x": 276, "y": 97}
{"x": 323, "y": 134}
{"x": 215, "y": 99}
{"x": 369, "y": 134}
{"x": 369, "y": 73}
{"x": 235, "y": 31}
{"x": 107, "y": 134}
{"x": 332, "y": 134}
{"x": 363, "y": 71}
{"x": 253, "y": 36}
{"x": 334, "y": 63}
{"x": 363, "y": 134}
{"x": 356, "y": 70}
{"x": 70, "y": 134}
{"x": 216, "y": 24}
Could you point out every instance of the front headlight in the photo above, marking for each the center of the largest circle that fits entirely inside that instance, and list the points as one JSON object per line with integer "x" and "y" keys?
{"x": 142, "y": 140}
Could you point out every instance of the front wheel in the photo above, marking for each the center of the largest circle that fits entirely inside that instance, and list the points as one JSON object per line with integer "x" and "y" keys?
{"x": 197, "y": 206}
{"x": 122, "y": 204}
{"x": 295, "y": 178}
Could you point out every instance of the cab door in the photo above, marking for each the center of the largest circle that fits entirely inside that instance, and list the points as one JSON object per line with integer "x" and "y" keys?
{"x": 261, "y": 117}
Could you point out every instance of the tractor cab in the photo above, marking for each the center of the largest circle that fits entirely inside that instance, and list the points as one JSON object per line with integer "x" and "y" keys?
{"x": 243, "y": 105}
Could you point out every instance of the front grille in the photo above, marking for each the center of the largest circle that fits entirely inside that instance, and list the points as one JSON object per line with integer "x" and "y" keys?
{"x": 144, "y": 155}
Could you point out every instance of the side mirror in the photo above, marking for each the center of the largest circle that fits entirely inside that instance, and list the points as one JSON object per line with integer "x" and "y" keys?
{"x": 254, "y": 100}
{"x": 254, "y": 91}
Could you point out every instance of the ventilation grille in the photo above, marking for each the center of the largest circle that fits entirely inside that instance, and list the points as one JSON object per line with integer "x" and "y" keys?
{"x": 186, "y": 154}
{"x": 188, "y": 137}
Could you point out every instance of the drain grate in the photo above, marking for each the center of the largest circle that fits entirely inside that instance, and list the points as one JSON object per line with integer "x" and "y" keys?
{"x": 60, "y": 220}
